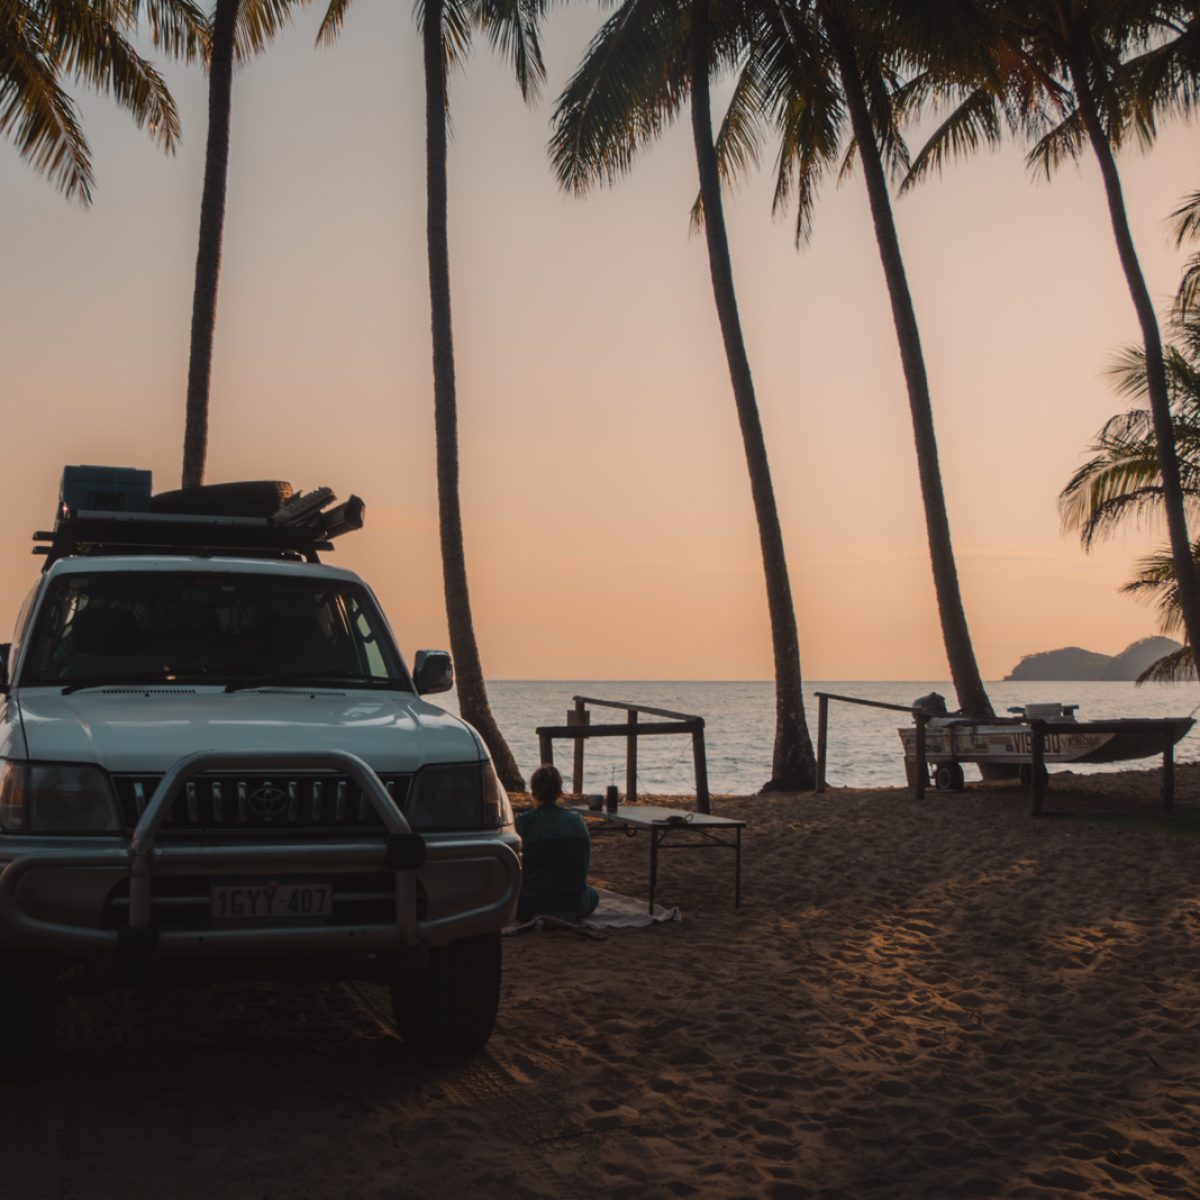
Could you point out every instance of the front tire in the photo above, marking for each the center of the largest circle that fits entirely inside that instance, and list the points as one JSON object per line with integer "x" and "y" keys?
{"x": 448, "y": 1009}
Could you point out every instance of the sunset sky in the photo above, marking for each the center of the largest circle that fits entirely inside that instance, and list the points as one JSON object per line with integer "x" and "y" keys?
{"x": 609, "y": 529}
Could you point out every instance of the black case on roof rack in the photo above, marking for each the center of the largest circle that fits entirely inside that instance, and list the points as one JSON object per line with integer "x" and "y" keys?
{"x": 117, "y": 521}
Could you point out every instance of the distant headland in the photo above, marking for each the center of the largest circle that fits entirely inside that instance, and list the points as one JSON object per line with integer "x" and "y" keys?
{"x": 1074, "y": 663}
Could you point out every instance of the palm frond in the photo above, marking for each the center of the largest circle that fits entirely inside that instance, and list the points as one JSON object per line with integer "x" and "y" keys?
{"x": 628, "y": 89}
{"x": 259, "y": 21}
{"x": 1177, "y": 667}
{"x": 179, "y": 28}
{"x": 740, "y": 135}
{"x": 1064, "y": 143}
{"x": 88, "y": 45}
{"x": 457, "y": 25}
{"x": 512, "y": 27}
{"x": 877, "y": 67}
{"x": 36, "y": 114}
{"x": 1155, "y": 584}
{"x": 802, "y": 97}
{"x": 331, "y": 22}
{"x": 1107, "y": 499}
{"x": 1187, "y": 298}
{"x": 973, "y": 123}
{"x": 1185, "y": 220}
{"x": 1166, "y": 77}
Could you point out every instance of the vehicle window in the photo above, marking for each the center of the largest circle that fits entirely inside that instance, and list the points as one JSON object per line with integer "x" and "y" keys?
{"x": 21, "y": 629}
{"x": 23, "y": 617}
{"x": 369, "y": 640}
{"x": 209, "y": 626}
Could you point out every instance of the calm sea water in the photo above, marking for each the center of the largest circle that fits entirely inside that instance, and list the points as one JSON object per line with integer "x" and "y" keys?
{"x": 864, "y": 747}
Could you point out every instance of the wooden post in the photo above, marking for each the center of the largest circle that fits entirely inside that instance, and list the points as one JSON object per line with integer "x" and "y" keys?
{"x": 822, "y": 739}
{"x": 580, "y": 716}
{"x": 631, "y": 760}
{"x": 1037, "y": 768}
{"x": 701, "y": 761}
{"x": 1168, "y": 779}
{"x": 922, "y": 769}
{"x": 546, "y": 747}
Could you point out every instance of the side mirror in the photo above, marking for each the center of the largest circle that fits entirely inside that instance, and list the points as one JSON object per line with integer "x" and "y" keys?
{"x": 5, "y": 647}
{"x": 433, "y": 671}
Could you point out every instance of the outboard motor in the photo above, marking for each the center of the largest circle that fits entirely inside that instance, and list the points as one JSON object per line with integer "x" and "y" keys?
{"x": 933, "y": 705}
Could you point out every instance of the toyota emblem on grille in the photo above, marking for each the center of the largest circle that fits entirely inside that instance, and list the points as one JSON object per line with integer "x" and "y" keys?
{"x": 267, "y": 802}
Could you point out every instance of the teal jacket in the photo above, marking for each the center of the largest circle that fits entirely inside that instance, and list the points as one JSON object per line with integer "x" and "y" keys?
{"x": 556, "y": 849}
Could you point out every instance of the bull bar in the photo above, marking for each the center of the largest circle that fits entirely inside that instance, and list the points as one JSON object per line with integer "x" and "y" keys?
{"x": 400, "y": 850}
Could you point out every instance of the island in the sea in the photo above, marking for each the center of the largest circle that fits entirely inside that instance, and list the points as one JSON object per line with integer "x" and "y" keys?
{"x": 1072, "y": 662}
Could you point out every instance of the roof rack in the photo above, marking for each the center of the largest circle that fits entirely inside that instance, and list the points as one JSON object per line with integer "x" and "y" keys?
{"x": 295, "y": 532}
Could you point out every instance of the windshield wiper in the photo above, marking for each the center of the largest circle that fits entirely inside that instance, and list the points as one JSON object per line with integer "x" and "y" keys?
{"x": 168, "y": 677}
{"x": 301, "y": 681}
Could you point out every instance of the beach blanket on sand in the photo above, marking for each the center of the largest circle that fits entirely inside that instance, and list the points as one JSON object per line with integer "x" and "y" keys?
{"x": 614, "y": 911}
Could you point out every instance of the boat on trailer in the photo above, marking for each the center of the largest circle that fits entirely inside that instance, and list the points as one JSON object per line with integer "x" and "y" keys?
{"x": 952, "y": 740}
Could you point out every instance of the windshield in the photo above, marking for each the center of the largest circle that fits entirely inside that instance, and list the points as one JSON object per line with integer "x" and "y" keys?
{"x": 207, "y": 627}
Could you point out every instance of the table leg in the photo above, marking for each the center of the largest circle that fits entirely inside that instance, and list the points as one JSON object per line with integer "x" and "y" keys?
{"x": 653, "y": 866}
{"x": 1168, "y": 775}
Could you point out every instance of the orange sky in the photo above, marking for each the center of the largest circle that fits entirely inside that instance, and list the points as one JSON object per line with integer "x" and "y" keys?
{"x": 609, "y": 527}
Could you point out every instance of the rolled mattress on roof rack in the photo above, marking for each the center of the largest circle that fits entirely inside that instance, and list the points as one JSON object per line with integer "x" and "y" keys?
{"x": 260, "y": 518}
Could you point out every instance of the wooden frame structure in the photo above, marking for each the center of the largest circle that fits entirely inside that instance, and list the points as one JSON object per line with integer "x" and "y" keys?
{"x": 579, "y": 728}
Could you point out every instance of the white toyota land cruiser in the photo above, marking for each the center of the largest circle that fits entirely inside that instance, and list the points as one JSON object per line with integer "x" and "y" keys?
{"x": 215, "y": 764}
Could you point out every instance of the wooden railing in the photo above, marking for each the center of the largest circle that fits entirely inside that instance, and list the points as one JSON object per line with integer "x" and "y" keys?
{"x": 920, "y": 717}
{"x": 579, "y": 729}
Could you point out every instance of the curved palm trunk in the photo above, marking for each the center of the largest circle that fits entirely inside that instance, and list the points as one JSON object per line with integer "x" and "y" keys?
{"x": 208, "y": 256}
{"x": 972, "y": 697}
{"x": 472, "y": 695}
{"x": 1156, "y": 377}
{"x": 792, "y": 765}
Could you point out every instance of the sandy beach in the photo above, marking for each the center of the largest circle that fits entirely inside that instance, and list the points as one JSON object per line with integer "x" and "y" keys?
{"x": 948, "y": 999}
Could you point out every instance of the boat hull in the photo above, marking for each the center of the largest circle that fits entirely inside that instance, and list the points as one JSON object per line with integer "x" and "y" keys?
{"x": 1064, "y": 742}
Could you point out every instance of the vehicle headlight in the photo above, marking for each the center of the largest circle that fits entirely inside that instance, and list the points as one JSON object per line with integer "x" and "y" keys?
{"x": 497, "y": 812}
{"x": 462, "y": 796}
{"x": 56, "y": 798}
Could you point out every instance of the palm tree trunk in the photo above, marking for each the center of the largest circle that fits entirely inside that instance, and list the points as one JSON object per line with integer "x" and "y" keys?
{"x": 972, "y": 697}
{"x": 1156, "y": 377}
{"x": 208, "y": 256}
{"x": 792, "y": 765}
{"x": 472, "y": 694}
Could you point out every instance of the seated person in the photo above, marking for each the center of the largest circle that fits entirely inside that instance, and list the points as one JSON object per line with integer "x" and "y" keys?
{"x": 555, "y": 847}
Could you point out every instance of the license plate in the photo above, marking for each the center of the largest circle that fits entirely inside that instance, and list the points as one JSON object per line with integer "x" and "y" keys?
{"x": 271, "y": 900}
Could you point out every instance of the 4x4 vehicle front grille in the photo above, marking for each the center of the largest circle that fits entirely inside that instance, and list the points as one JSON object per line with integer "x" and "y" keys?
{"x": 235, "y": 801}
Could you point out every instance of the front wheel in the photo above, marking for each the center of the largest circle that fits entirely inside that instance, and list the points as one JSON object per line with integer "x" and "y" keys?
{"x": 448, "y": 1009}
{"x": 949, "y": 777}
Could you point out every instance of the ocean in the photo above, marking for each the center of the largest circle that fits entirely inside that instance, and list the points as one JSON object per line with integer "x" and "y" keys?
{"x": 864, "y": 747}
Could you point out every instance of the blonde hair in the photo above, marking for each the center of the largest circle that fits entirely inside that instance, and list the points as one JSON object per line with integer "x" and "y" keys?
{"x": 546, "y": 784}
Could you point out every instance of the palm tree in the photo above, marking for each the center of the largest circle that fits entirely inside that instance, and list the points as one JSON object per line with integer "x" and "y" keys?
{"x": 637, "y": 72}
{"x": 814, "y": 67}
{"x": 512, "y": 27}
{"x": 1073, "y": 75}
{"x": 1122, "y": 483}
{"x": 41, "y": 41}
{"x": 239, "y": 29}
{"x": 1154, "y": 582}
